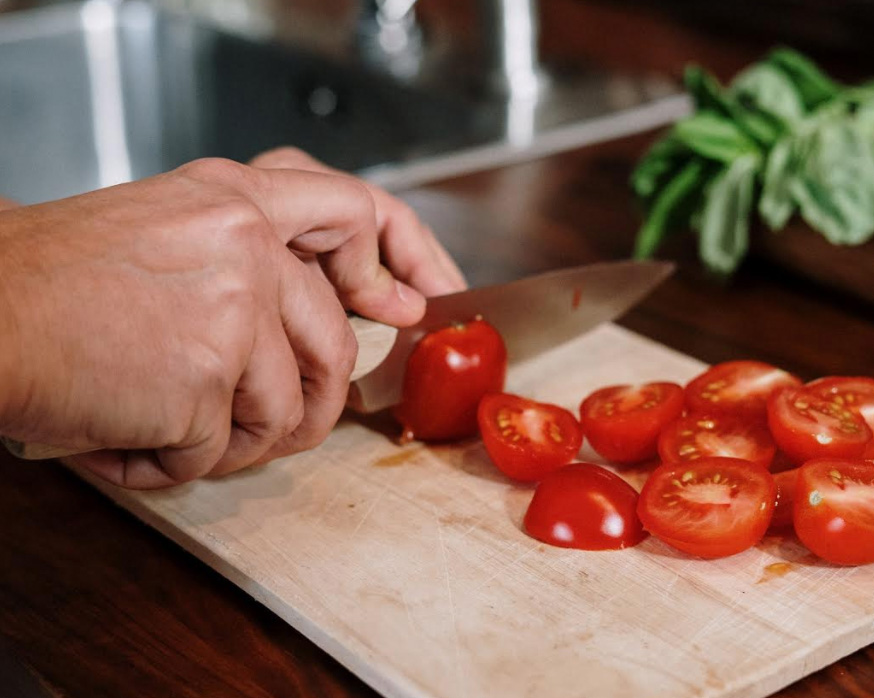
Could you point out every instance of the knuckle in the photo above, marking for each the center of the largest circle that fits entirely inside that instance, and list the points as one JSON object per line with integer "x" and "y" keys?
{"x": 212, "y": 169}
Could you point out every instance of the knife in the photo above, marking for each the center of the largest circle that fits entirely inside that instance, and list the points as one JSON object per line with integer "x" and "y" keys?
{"x": 531, "y": 314}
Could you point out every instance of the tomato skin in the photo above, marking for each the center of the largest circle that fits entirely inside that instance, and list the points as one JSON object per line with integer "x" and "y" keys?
{"x": 527, "y": 439}
{"x": 806, "y": 426}
{"x": 623, "y": 422}
{"x": 584, "y": 506}
{"x": 834, "y": 510}
{"x": 738, "y": 387}
{"x": 447, "y": 374}
{"x": 711, "y": 508}
{"x": 784, "y": 503}
{"x": 689, "y": 438}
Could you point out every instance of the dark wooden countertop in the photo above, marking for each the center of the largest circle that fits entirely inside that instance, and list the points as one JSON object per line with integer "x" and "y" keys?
{"x": 93, "y": 603}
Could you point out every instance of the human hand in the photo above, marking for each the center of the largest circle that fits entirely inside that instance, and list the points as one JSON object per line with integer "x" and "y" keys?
{"x": 170, "y": 322}
{"x": 408, "y": 246}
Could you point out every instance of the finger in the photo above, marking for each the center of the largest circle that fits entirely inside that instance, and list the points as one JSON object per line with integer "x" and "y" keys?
{"x": 334, "y": 218}
{"x": 289, "y": 158}
{"x": 325, "y": 351}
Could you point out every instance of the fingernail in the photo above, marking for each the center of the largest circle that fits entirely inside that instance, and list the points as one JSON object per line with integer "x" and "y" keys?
{"x": 410, "y": 297}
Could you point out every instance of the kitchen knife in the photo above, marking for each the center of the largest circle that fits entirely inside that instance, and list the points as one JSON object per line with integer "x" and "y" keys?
{"x": 532, "y": 315}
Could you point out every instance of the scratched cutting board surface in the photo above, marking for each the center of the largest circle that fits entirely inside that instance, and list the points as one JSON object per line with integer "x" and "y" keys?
{"x": 408, "y": 564}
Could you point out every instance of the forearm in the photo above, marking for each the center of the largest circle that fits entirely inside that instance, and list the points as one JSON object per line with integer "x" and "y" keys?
{"x": 9, "y": 340}
{"x": 7, "y": 203}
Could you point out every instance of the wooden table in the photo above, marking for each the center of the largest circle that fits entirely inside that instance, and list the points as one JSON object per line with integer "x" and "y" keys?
{"x": 96, "y": 604}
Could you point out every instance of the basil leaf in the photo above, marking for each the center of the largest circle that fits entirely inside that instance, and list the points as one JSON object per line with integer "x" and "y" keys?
{"x": 777, "y": 204}
{"x": 814, "y": 86}
{"x": 664, "y": 158}
{"x": 713, "y": 137}
{"x": 669, "y": 207}
{"x": 833, "y": 188}
{"x": 705, "y": 90}
{"x": 766, "y": 88}
{"x": 724, "y": 234}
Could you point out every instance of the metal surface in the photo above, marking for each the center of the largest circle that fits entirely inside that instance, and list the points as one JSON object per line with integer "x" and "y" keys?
{"x": 532, "y": 315}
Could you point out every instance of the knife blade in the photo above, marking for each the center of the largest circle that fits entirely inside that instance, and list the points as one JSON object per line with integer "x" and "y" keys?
{"x": 532, "y": 315}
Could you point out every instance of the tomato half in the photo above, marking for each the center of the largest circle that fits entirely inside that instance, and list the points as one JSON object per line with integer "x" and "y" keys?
{"x": 697, "y": 436}
{"x": 527, "y": 439}
{"x": 711, "y": 508}
{"x": 807, "y": 426}
{"x": 584, "y": 506}
{"x": 448, "y": 372}
{"x": 784, "y": 504}
{"x": 738, "y": 387}
{"x": 856, "y": 393}
{"x": 623, "y": 422}
{"x": 834, "y": 510}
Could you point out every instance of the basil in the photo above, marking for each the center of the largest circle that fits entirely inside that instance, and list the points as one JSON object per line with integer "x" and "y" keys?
{"x": 782, "y": 140}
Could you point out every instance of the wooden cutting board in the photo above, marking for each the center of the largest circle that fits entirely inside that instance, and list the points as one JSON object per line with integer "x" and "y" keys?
{"x": 408, "y": 564}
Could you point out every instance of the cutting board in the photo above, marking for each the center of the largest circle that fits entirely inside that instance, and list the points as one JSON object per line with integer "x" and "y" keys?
{"x": 408, "y": 564}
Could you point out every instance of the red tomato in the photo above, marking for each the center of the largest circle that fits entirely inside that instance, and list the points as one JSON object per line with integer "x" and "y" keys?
{"x": 834, "y": 510}
{"x": 527, "y": 439}
{"x": 786, "y": 481}
{"x": 584, "y": 506}
{"x": 447, "y": 374}
{"x": 739, "y": 387}
{"x": 623, "y": 422}
{"x": 806, "y": 426}
{"x": 856, "y": 393}
{"x": 696, "y": 436}
{"x": 711, "y": 508}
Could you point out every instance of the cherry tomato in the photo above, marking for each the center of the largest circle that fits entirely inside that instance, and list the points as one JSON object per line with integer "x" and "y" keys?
{"x": 807, "y": 426}
{"x": 696, "y": 436}
{"x": 711, "y": 508}
{"x": 584, "y": 506}
{"x": 834, "y": 510}
{"x": 856, "y": 393}
{"x": 623, "y": 422}
{"x": 448, "y": 372}
{"x": 786, "y": 481}
{"x": 738, "y": 387}
{"x": 527, "y": 439}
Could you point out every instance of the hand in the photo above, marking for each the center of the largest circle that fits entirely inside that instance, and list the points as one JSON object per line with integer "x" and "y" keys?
{"x": 170, "y": 320}
{"x": 408, "y": 246}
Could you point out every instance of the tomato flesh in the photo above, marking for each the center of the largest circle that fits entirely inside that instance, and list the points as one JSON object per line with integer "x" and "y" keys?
{"x": 447, "y": 374}
{"x": 806, "y": 426}
{"x": 784, "y": 503}
{"x": 584, "y": 506}
{"x": 856, "y": 393}
{"x": 527, "y": 439}
{"x": 737, "y": 387}
{"x": 834, "y": 510}
{"x": 623, "y": 422}
{"x": 698, "y": 436}
{"x": 711, "y": 508}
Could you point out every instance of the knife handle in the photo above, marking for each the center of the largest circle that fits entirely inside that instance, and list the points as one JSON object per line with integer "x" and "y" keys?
{"x": 375, "y": 341}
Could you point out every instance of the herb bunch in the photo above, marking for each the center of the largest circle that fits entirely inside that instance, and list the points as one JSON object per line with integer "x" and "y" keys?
{"x": 781, "y": 139}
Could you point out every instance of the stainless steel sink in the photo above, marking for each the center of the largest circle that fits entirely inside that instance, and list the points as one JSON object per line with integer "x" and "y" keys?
{"x": 99, "y": 92}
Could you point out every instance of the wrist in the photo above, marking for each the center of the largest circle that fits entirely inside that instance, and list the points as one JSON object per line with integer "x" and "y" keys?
{"x": 11, "y": 391}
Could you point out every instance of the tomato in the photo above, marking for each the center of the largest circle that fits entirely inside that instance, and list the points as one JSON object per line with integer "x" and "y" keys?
{"x": 711, "y": 508}
{"x": 834, "y": 510}
{"x": 448, "y": 372}
{"x": 807, "y": 426}
{"x": 623, "y": 422}
{"x": 696, "y": 436}
{"x": 738, "y": 387}
{"x": 584, "y": 506}
{"x": 856, "y": 393}
{"x": 527, "y": 439}
{"x": 786, "y": 481}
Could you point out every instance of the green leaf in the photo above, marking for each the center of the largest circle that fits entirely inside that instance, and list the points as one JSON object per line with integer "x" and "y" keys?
{"x": 766, "y": 88}
{"x": 777, "y": 204}
{"x": 813, "y": 85}
{"x": 834, "y": 187}
{"x": 705, "y": 90}
{"x": 669, "y": 206}
{"x": 664, "y": 158}
{"x": 724, "y": 235}
{"x": 714, "y": 137}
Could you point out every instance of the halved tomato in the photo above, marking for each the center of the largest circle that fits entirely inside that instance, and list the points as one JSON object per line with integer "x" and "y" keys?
{"x": 711, "y": 508}
{"x": 527, "y": 439}
{"x": 805, "y": 426}
{"x": 623, "y": 422}
{"x": 738, "y": 387}
{"x": 834, "y": 510}
{"x": 584, "y": 506}
{"x": 856, "y": 393}
{"x": 787, "y": 482}
{"x": 697, "y": 436}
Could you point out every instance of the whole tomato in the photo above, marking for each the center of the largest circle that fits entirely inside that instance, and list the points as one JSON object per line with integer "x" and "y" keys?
{"x": 447, "y": 374}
